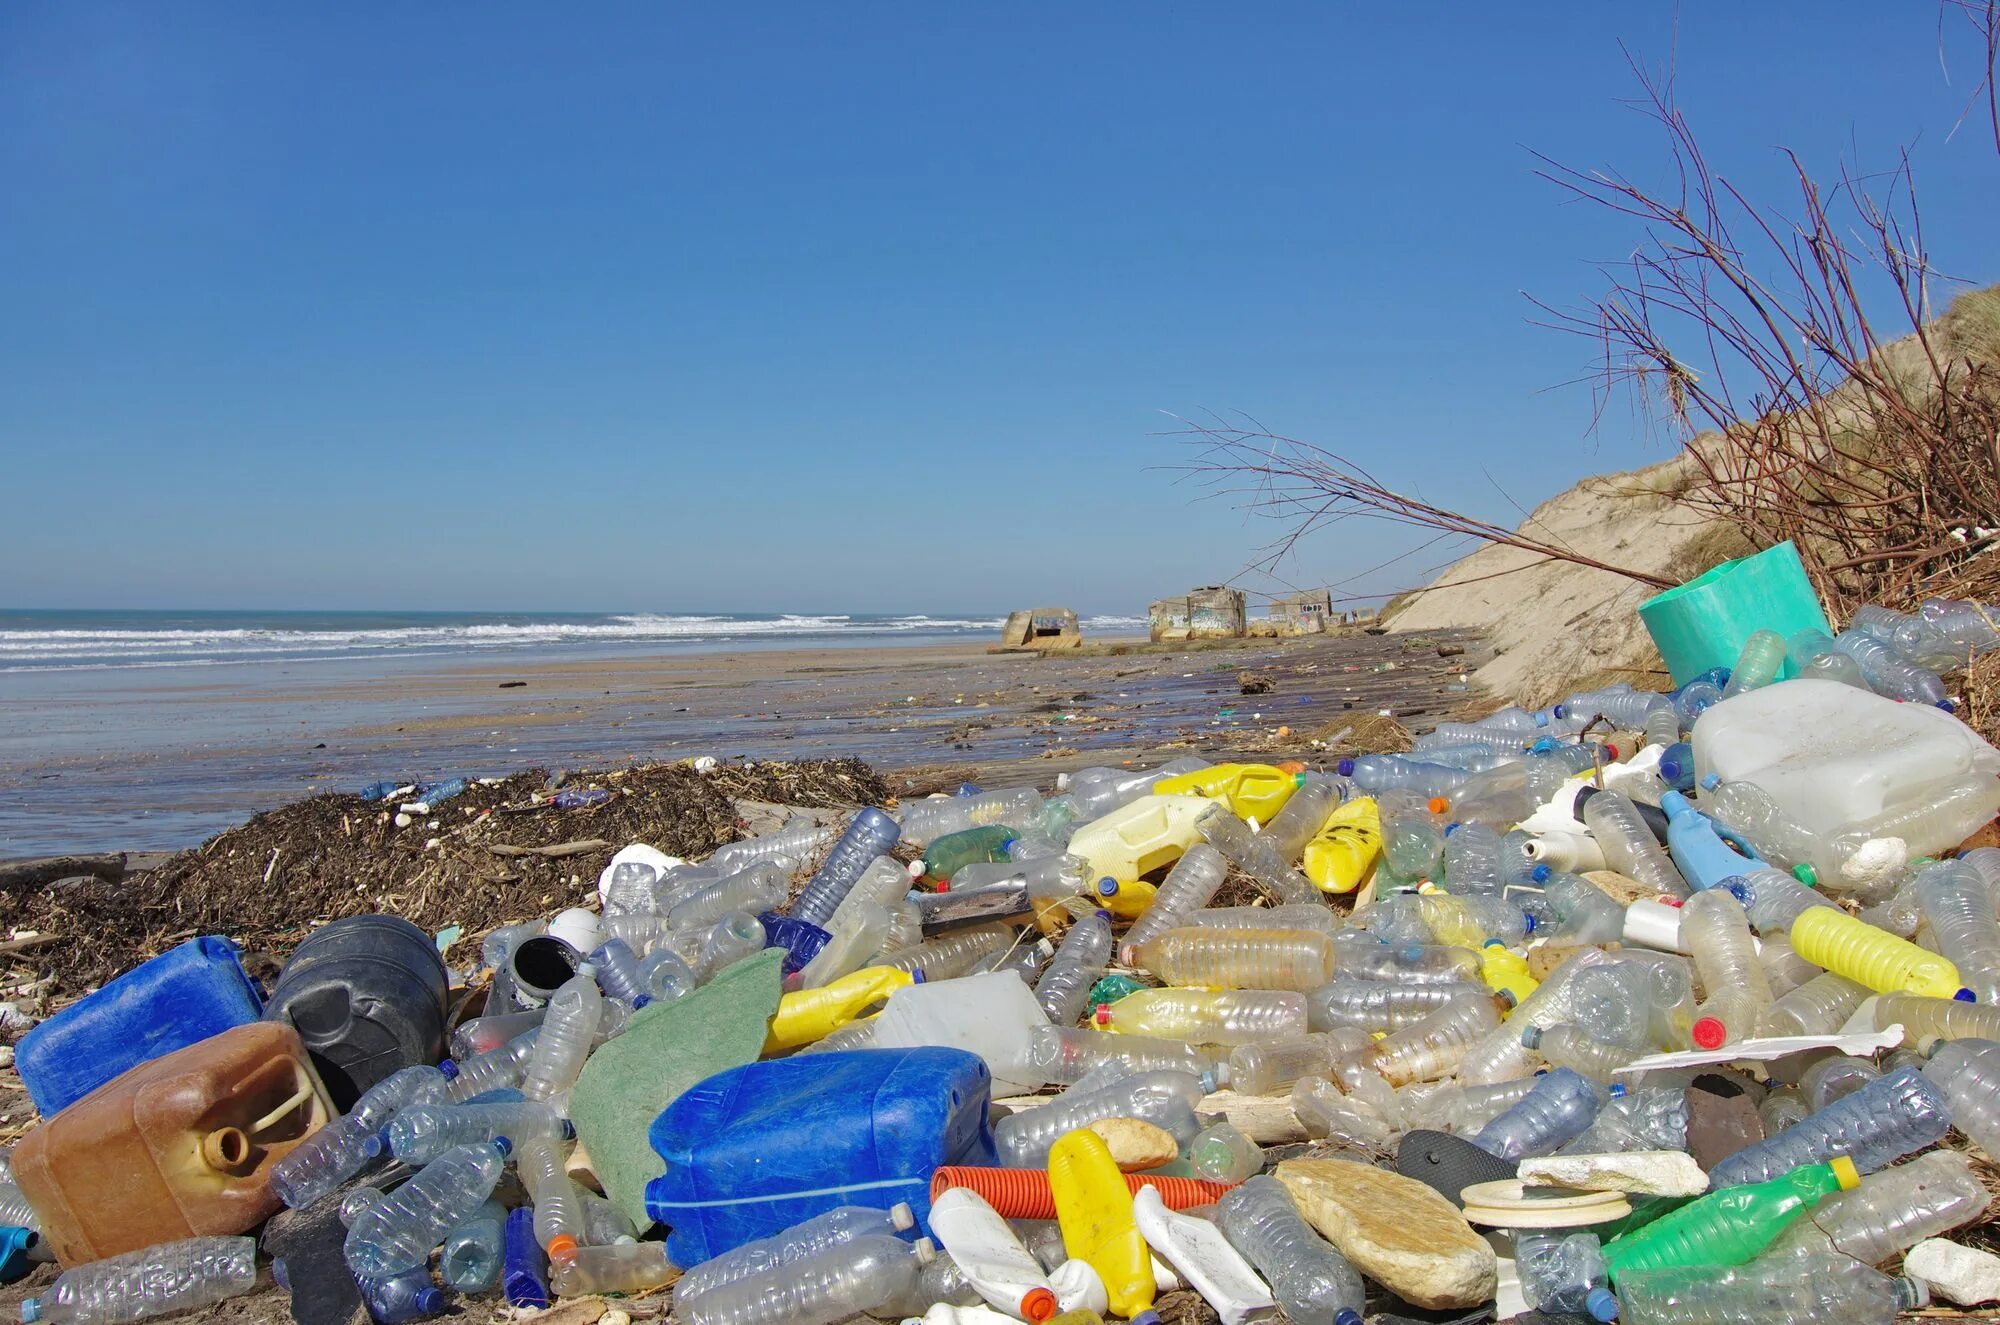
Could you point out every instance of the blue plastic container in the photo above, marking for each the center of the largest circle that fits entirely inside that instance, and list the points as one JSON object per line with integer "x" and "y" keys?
{"x": 801, "y": 939}
{"x": 179, "y": 998}
{"x": 754, "y": 1150}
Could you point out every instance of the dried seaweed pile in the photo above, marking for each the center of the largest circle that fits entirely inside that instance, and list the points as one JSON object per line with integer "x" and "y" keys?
{"x": 821, "y": 784}
{"x": 473, "y": 863}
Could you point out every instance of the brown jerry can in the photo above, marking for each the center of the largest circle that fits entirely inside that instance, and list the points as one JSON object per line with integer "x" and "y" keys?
{"x": 174, "y": 1148}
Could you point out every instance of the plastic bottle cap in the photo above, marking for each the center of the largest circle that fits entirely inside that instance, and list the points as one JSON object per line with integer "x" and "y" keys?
{"x": 506, "y": 1146}
{"x": 1450, "y": 828}
{"x": 1711, "y": 782}
{"x": 1107, "y": 887}
{"x": 1601, "y": 1304}
{"x": 1530, "y": 925}
{"x": 1346, "y": 767}
{"x": 430, "y": 1302}
{"x": 1617, "y": 1090}
{"x": 1708, "y": 1033}
{"x": 917, "y": 977}
{"x": 1611, "y": 751}
{"x": 449, "y": 1069}
{"x": 902, "y": 1217}
{"x": 1845, "y": 1173}
{"x": 1806, "y": 874}
{"x": 31, "y": 1308}
{"x": 1966, "y": 996}
{"x": 1103, "y": 1014}
{"x": 1038, "y": 1305}
{"x": 1531, "y": 1038}
{"x": 1540, "y": 874}
{"x": 562, "y": 1247}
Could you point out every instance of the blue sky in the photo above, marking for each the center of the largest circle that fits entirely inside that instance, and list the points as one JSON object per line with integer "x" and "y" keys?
{"x": 823, "y": 307}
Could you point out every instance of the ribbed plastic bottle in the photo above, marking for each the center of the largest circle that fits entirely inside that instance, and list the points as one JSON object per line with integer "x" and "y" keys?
{"x": 1716, "y": 932}
{"x": 1255, "y": 855}
{"x": 1774, "y": 1290}
{"x": 1064, "y": 989}
{"x": 1470, "y": 921}
{"x": 835, "y": 1228}
{"x": 1813, "y": 653}
{"x": 399, "y": 1230}
{"x": 1577, "y": 1050}
{"x": 1396, "y": 918}
{"x": 15, "y": 1212}
{"x": 1747, "y": 808}
{"x": 1239, "y": 958}
{"x": 423, "y": 1132}
{"x": 666, "y": 976}
{"x": 1430, "y": 1048}
{"x": 1728, "y": 1227}
{"x": 1835, "y": 1077}
{"x": 1891, "y": 674}
{"x": 1586, "y": 913}
{"x": 1379, "y": 1005}
{"x": 1958, "y": 907}
{"x": 755, "y": 889}
{"x": 1629, "y": 846}
{"x": 1940, "y": 819}
{"x": 1562, "y": 1273}
{"x": 617, "y": 967}
{"x": 1312, "y": 1281}
{"x": 1200, "y": 1016}
{"x": 1098, "y": 791}
{"x": 1221, "y": 1152}
{"x": 950, "y": 955}
{"x": 1625, "y": 707}
{"x": 1835, "y": 941}
{"x": 1893, "y": 1210}
{"x": 1559, "y": 1108}
{"x": 952, "y": 852}
{"x": 1303, "y": 816}
{"x": 925, "y": 821}
{"x": 1376, "y": 774}
{"x": 1895, "y": 1115}
{"x": 629, "y": 1267}
{"x": 1773, "y": 899}
{"x": 1190, "y": 884}
{"x": 558, "y": 1207}
{"x": 339, "y": 1150}
{"x": 858, "y": 934}
{"x": 1412, "y": 838}
{"x": 885, "y": 883}
{"x": 1063, "y": 1054}
{"x": 1094, "y": 1207}
{"x": 1927, "y": 1019}
{"x": 1968, "y": 1072}
{"x": 473, "y": 1251}
{"x": 871, "y": 834}
{"x": 843, "y": 1281}
{"x": 1758, "y": 665}
{"x": 564, "y": 1040}
{"x": 1472, "y": 862}
{"x": 1781, "y": 1109}
{"x": 735, "y": 936}
{"x": 1820, "y": 1006}
{"x": 1271, "y": 1068}
{"x": 794, "y": 843}
{"x": 1408, "y": 963}
{"x": 155, "y": 1281}
{"x": 1165, "y": 1099}
{"x": 401, "y": 1297}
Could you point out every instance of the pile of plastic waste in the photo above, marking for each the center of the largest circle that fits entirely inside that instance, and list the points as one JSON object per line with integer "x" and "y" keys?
{"x": 1649, "y": 1007}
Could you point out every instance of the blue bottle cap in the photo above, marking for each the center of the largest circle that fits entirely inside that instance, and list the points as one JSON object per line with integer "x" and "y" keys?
{"x": 1617, "y": 1090}
{"x": 506, "y": 1147}
{"x": 1601, "y": 1304}
{"x": 1346, "y": 768}
{"x": 1530, "y": 924}
{"x": 1541, "y": 873}
{"x": 917, "y": 977}
{"x": 1711, "y": 782}
{"x": 1966, "y": 996}
{"x": 450, "y": 1070}
{"x": 1107, "y": 887}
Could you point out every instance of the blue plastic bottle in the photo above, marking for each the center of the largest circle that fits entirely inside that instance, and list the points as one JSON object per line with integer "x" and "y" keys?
{"x": 1704, "y": 852}
{"x": 525, "y": 1278}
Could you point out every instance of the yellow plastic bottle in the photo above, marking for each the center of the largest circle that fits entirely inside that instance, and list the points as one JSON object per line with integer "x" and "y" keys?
{"x": 1836, "y": 941}
{"x": 1134, "y": 840}
{"x": 1341, "y": 855}
{"x": 1506, "y": 972}
{"x": 807, "y": 1015}
{"x": 1094, "y": 1211}
{"x": 1253, "y": 791}
{"x": 1127, "y": 901}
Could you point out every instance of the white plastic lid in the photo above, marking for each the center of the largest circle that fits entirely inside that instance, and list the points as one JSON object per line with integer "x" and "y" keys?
{"x": 579, "y": 928}
{"x": 1651, "y": 924}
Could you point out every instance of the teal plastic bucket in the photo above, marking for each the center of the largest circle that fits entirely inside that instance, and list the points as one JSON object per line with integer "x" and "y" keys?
{"x": 1706, "y": 622}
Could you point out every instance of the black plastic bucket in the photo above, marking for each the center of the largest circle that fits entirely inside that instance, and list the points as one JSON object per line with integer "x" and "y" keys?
{"x": 368, "y": 996}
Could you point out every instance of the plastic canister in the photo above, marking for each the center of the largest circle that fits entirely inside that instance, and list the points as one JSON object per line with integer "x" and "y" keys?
{"x": 1706, "y": 622}
{"x": 992, "y": 1015}
{"x": 367, "y": 995}
{"x": 759, "y": 1148}
{"x": 179, "y": 998}
{"x": 1344, "y": 851}
{"x": 1134, "y": 840}
{"x": 1833, "y": 757}
{"x": 1252, "y": 791}
{"x": 178, "y": 1147}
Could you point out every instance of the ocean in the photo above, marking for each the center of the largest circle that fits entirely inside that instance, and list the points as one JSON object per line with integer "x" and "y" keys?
{"x": 46, "y": 640}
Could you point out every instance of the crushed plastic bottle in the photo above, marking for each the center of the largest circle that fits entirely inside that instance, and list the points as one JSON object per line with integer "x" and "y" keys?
{"x": 841, "y": 1281}
{"x": 1895, "y": 1115}
{"x": 398, "y": 1231}
{"x": 1774, "y": 1290}
{"x": 154, "y": 1281}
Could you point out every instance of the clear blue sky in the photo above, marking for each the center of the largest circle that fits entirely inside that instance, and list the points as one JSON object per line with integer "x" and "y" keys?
{"x": 814, "y": 306}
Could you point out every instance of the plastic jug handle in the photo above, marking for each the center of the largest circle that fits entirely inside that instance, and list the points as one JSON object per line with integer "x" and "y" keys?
{"x": 304, "y": 1093}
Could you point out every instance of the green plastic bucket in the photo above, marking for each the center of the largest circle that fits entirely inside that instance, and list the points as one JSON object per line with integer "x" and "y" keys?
{"x": 1706, "y": 622}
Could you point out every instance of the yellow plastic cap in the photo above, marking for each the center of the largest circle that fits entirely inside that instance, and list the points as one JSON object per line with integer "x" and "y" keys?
{"x": 1845, "y": 1173}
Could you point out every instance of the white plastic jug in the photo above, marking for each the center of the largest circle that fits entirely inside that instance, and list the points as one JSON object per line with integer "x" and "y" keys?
{"x": 1834, "y": 757}
{"x": 1134, "y": 840}
{"x": 989, "y": 1255}
{"x": 992, "y": 1015}
{"x": 1201, "y": 1255}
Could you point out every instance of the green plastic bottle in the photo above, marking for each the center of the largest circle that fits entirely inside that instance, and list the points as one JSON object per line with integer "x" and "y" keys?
{"x": 954, "y": 851}
{"x": 1731, "y": 1226}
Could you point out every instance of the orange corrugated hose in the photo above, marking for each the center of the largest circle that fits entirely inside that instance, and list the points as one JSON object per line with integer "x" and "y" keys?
{"x": 1024, "y": 1193}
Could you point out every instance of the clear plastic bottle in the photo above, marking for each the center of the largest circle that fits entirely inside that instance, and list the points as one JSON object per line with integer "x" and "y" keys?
{"x": 1166, "y": 1099}
{"x": 1202, "y": 1016}
{"x": 1780, "y": 1109}
{"x": 1939, "y": 819}
{"x": 1835, "y": 1077}
{"x": 1958, "y": 907}
{"x": 755, "y": 889}
{"x": 1716, "y": 932}
{"x": 1379, "y": 1005}
{"x": 842, "y": 1281}
{"x": 1256, "y": 855}
{"x": 15, "y": 1212}
{"x": 1758, "y": 665}
{"x": 1562, "y": 1273}
{"x": 1624, "y": 707}
{"x": 1221, "y": 1152}
{"x": 1375, "y": 774}
{"x": 1629, "y": 845}
{"x": 1893, "y": 1116}
{"x": 870, "y": 834}
{"x": 1891, "y": 674}
{"x": 925, "y": 821}
{"x": 1195, "y": 879}
{"x": 1472, "y": 862}
{"x": 628, "y": 1267}
{"x": 1926, "y": 1019}
{"x": 1586, "y": 912}
{"x": 835, "y": 1228}
{"x": 1663, "y": 726}
{"x": 1239, "y": 958}
{"x": 1559, "y": 1108}
{"x": 1064, "y": 989}
{"x": 398, "y": 1231}
{"x": 1273, "y": 1067}
{"x": 1312, "y": 917}
{"x": 470, "y": 1262}
{"x": 1773, "y": 899}
{"x": 1312, "y": 1281}
{"x": 1428, "y": 1049}
{"x": 1473, "y": 920}
{"x": 732, "y": 938}
{"x": 1412, "y": 838}
{"x": 339, "y": 1150}
{"x": 1968, "y": 1072}
{"x": 1813, "y": 653}
{"x": 1408, "y": 963}
{"x": 1303, "y": 815}
{"x": 154, "y": 1281}
{"x": 1893, "y": 1210}
{"x": 1396, "y": 918}
{"x": 423, "y": 1132}
{"x": 793, "y": 845}
{"x": 558, "y": 1208}
{"x": 401, "y": 1297}
{"x": 666, "y": 976}
{"x": 565, "y": 1037}
{"x": 885, "y": 883}
{"x": 1835, "y": 941}
{"x": 1774, "y": 1290}
{"x": 1960, "y": 627}
{"x": 951, "y": 955}
{"x": 1062, "y": 1054}
{"x": 1576, "y": 1049}
{"x": 618, "y": 973}
{"x": 1098, "y": 791}
{"x": 1820, "y": 1006}
{"x": 1749, "y": 809}
{"x": 858, "y": 935}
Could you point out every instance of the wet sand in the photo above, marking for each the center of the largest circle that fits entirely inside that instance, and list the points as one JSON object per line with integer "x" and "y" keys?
{"x": 160, "y": 760}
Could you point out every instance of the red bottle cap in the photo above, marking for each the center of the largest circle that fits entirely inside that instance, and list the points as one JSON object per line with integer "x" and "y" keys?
{"x": 1038, "y": 1306}
{"x": 1708, "y": 1033}
{"x": 1103, "y": 1015}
